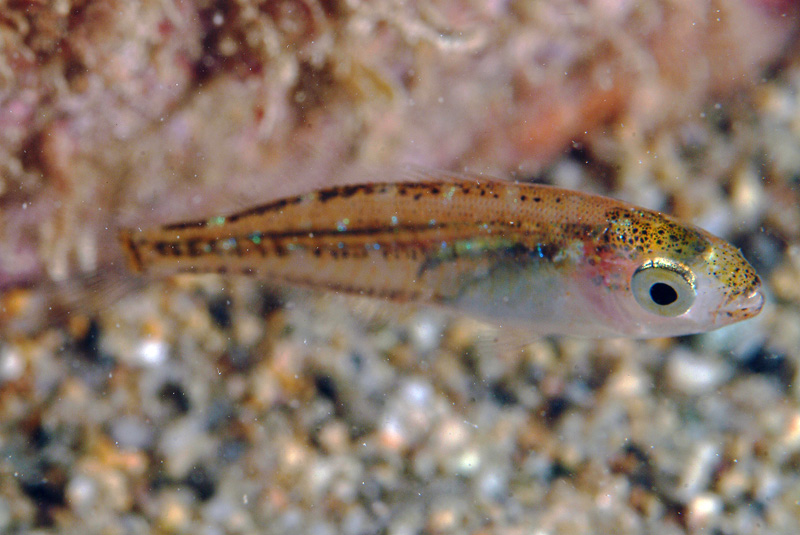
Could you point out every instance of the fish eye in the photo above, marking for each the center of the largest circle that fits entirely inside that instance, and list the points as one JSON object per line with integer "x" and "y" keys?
{"x": 664, "y": 287}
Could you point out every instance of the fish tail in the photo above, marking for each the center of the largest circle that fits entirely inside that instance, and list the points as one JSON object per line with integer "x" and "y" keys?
{"x": 131, "y": 249}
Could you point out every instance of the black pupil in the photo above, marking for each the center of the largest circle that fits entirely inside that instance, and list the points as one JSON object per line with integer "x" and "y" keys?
{"x": 663, "y": 294}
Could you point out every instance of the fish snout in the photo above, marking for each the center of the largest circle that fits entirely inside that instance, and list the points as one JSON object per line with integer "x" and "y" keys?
{"x": 744, "y": 306}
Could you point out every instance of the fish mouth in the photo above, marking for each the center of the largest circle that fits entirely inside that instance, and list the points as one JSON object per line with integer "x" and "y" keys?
{"x": 744, "y": 307}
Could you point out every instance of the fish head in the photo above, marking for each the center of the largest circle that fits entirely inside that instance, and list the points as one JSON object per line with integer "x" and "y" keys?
{"x": 672, "y": 279}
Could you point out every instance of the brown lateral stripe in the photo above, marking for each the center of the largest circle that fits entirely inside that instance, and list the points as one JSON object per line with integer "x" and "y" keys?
{"x": 583, "y": 230}
{"x": 325, "y": 195}
{"x": 280, "y": 240}
{"x": 258, "y": 210}
{"x": 352, "y": 232}
{"x": 274, "y": 206}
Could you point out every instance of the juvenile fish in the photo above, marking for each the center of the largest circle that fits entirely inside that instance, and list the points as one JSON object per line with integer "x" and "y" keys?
{"x": 552, "y": 260}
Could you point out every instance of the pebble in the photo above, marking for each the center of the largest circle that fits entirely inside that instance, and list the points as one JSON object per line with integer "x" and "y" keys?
{"x": 183, "y": 445}
{"x": 130, "y": 432}
{"x": 152, "y": 352}
{"x": 492, "y": 483}
{"x": 175, "y": 512}
{"x": 698, "y": 470}
{"x": 747, "y": 196}
{"x": 704, "y": 511}
{"x": 81, "y": 492}
{"x": 694, "y": 374}
{"x": 12, "y": 364}
{"x": 426, "y": 331}
{"x": 5, "y": 515}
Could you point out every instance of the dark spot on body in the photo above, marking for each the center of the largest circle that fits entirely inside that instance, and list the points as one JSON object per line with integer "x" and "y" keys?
{"x": 280, "y": 250}
{"x": 348, "y": 191}
{"x": 167, "y": 248}
{"x": 327, "y": 194}
{"x": 546, "y": 251}
{"x": 185, "y": 225}
{"x": 194, "y": 247}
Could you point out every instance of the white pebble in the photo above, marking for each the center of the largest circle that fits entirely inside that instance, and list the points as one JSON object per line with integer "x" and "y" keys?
{"x": 703, "y": 509}
{"x": 417, "y": 393}
{"x": 426, "y": 332}
{"x": 698, "y": 470}
{"x": 468, "y": 463}
{"x": 493, "y": 484}
{"x": 12, "y": 365}
{"x": 152, "y": 352}
{"x": 695, "y": 375}
{"x": 81, "y": 492}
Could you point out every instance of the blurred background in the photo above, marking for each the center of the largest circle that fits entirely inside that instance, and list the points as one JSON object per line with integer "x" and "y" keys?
{"x": 228, "y": 406}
